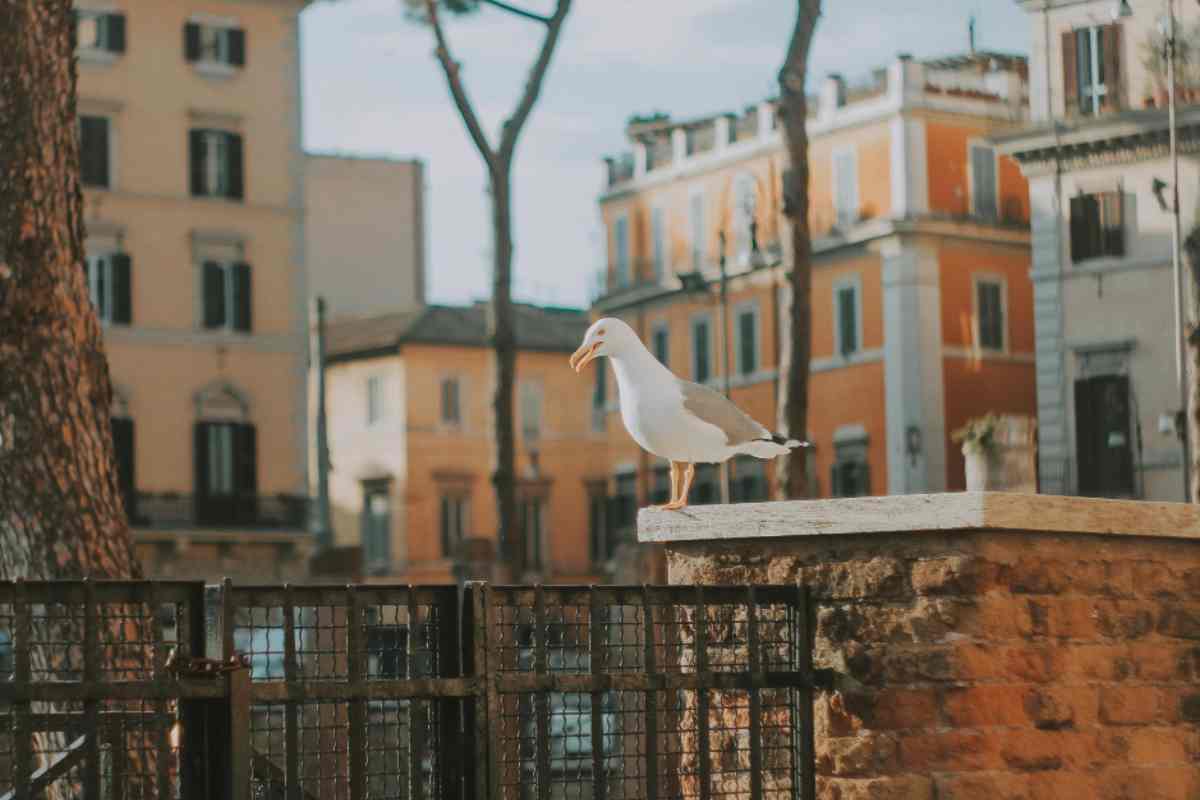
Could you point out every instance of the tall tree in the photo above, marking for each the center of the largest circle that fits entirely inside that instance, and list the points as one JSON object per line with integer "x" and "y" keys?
{"x": 60, "y": 508}
{"x": 498, "y": 161}
{"x": 791, "y": 478}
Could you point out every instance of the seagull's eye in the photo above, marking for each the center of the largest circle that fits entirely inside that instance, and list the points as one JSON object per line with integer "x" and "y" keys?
{"x": 600, "y": 332}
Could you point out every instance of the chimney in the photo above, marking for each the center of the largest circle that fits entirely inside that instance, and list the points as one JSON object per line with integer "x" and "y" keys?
{"x": 833, "y": 94}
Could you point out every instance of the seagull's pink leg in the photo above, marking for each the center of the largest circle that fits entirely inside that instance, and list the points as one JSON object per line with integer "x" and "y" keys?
{"x": 681, "y": 500}
{"x": 674, "y": 486}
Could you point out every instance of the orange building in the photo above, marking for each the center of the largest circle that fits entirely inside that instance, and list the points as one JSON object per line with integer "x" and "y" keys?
{"x": 922, "y": 311}
{"x": 410, "y": 440}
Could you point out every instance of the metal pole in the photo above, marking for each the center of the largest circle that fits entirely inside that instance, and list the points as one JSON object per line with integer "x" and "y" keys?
{"x": 322, "y": 528}
{"x": 724, "y": 325}
{"x": 1176, "y": 262}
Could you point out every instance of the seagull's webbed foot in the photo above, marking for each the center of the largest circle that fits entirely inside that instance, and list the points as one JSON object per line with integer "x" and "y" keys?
{"x": 674, "y": 505}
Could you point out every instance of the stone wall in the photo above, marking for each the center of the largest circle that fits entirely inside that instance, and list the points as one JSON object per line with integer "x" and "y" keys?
{"x": 984, "y": 659}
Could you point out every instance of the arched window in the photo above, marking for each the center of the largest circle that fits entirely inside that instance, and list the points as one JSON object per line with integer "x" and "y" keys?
{"x": 225, "y": 452}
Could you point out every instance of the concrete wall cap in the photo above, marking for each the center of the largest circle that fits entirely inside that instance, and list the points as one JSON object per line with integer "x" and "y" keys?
{"x": 962, "y": 511}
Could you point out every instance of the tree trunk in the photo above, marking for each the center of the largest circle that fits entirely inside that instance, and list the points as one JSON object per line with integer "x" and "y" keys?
{"x": 503, "y": 338}
{"x": 1191, "y": 249}
{"x": 792, "y": 476}
{"x": 60, "y": 508}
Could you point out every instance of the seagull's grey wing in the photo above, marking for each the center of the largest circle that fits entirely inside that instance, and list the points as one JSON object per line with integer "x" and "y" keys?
{"x": 715, "y": 409}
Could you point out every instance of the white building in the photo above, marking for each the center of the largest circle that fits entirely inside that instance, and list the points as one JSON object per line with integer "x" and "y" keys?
{"x": 1103, "y": 282}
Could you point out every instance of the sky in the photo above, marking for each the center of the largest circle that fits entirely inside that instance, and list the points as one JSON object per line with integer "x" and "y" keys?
{"x": 372, "y": 87}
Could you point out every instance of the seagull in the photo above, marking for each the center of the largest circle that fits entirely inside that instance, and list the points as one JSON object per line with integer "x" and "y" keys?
{"x": 684, "y": 422}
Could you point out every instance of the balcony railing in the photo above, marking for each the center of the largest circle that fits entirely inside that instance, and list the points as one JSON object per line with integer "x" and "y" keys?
{"x": 180, "y": 511}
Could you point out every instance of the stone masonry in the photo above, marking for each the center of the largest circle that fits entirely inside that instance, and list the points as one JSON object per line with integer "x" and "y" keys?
{"x": 985, "y": 646}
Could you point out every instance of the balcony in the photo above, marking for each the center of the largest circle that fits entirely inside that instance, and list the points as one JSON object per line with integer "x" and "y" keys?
{"x": 172, "y": 510}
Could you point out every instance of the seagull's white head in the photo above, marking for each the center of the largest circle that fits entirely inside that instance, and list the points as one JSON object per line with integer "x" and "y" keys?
{"x": 606, "y": 337}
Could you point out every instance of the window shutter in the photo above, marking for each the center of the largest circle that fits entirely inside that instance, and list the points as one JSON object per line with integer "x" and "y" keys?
{"x": 200, "y": 456}
{"x": 197, "y": 154}
{"x": 121, "y": 289}
{"x": 1078, "y": 229}
{"x": 848, "y": 321}
{"x": 122, "y": 433}
{"x": 191, "y": 41}
{"x": 1070, "y": 73}
{"x": 243, "y": 302}
{"x": 1110, "y": 37}
{"x": 1113, "y": 223}
{"x": 93, "y": 133}
{"x": 214, "y": 295}
{"x": 749, "y": 354}
{"x": 237, "y": 47}
{"x": 116, "y": 33}
{"x": 235, "y": 166}
{"x": 245, "y": 449}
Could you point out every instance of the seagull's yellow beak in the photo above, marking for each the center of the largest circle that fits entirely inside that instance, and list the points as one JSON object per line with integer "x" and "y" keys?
{"x": 583, "y": 356}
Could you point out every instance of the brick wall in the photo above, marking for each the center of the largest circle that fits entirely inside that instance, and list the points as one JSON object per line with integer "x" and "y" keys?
{"x": 1004, "y": 664}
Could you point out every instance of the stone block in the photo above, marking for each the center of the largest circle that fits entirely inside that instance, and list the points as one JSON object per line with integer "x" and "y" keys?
{"x": 952, "y": 575}
{"x": 990, "y": 785}
{"x": 1131, "y": 705}
{"x": 1180, "y": 622}
{"x": 864, "y": 755}
{"x": 948, "y": 751}
{"x": 877, "y": 577}
{"x": 908, "y": 787}
{"x": 984, "y": 706}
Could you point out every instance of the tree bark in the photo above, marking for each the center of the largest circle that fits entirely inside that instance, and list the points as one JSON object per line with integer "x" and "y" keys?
{"x": 60, "y": 508}
{"x": 791, "y": 477}
{"x": 498, "y": 162}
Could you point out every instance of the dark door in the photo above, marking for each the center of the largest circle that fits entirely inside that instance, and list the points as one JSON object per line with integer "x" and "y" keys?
{"x": 1104, "y": 446}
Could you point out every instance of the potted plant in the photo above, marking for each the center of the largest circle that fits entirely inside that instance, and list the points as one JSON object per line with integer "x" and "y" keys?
{"x": 978, "y": 438}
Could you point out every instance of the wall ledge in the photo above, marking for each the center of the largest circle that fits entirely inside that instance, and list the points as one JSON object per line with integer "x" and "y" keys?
{"x": 921, "y": 513}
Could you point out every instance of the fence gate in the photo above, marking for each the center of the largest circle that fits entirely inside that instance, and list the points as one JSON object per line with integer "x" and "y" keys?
{"x": 411, "y": 693}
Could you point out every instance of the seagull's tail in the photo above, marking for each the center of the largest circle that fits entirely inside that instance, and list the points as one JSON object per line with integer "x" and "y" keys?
{"x": 773, "y": 447}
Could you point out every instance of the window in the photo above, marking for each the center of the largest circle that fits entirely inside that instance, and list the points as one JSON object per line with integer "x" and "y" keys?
{"x": 989, "y": 314}
{"x": 847, "y": 324}
{"x": 707, "y": 485}
{"x": 660, "y": 485}
{"x": 661, "y": 341}
{"x": 1097, "y": 226}
{"x": 745, "y": 206}
{"x": 701, "y": 347}
{"x": 6, "y": 652}
{"x": 226, "y": 472}
{"x": 697, "y": 222}
{"x": 1091, "y": 69}
{"x": 600, "y": 397}
{"x": 532, "y": 521}
{"x": 748, "y": 481}
{"x": 387, "y": 651}
{"x": 94, "y": 152}
{"x": 214, "y": 44}
{"x": 531, "y": 410}
{"x": 658, "y": 243}
{"x": 453, "y": 523}
{"x": 377, "y": 526}
{"x": 375, "y": 399}
{"x": 451, "y": 408}
{"x": 601, "y": 542}
{"x": 216, "y": 164}
{"x": 227, "y": 297}
{"x": 845, "y": 187}
{"x": 983, "y": 181}
{"x": 850, "y": 475}
{"x": 99, "y": 31}
{"x": 621, "y": 243}
{"x": 123, "y": 449}
{"x": 109, "y": 287}
{"x": 747, "y": 340}
{"x": 624, "y": 508}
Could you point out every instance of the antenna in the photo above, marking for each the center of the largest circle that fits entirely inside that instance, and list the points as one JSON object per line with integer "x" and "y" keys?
{"x": 971, "y": 32}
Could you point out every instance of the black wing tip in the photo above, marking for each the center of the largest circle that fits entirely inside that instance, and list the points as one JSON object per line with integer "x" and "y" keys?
{"x": 786, "y": 442}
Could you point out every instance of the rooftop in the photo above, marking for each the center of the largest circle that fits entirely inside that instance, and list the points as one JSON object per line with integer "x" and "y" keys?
{"x": 538, "y": 328}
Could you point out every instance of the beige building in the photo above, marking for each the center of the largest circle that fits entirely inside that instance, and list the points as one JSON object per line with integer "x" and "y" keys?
{"x": 410, "y": 441}
{"x": 365, "y": 226}
{"x": 193, "y": 193}
{"x": 1103, "y": 284}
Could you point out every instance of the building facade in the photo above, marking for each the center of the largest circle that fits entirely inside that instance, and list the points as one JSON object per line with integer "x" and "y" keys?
{"x": 410, "y": 439}
{"x": 365, "y": 228}
{"x": 1095, "y": 155}
{"x": 193, "y": 198}
{"x": 921, "y": 300}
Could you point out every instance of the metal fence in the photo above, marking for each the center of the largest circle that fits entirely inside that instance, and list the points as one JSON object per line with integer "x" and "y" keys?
{"x": 365, "y": 691}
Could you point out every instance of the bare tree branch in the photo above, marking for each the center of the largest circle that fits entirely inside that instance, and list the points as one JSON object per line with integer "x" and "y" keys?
{"x": 520, "y": 12}
{"x": 513, "y": 125}
{"x": 457, "y": 90}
